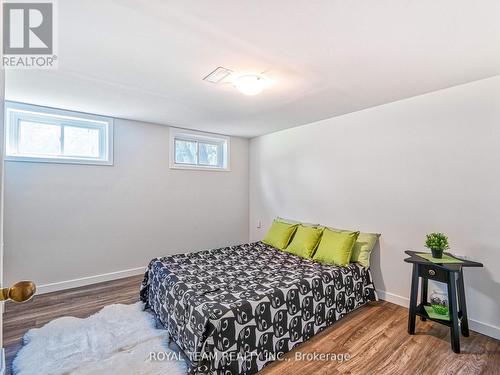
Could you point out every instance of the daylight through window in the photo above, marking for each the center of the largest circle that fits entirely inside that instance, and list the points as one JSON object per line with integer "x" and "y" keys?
{"x": 41, "y": 134}
{"x": 195, "y": 150}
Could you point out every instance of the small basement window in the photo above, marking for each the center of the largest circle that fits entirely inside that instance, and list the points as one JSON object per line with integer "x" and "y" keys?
{"x": 41, "y": 134}
{"x": 196, "y": 150}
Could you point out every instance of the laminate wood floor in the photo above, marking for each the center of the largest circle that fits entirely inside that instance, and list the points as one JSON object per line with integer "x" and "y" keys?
{"x": 373, "y": 336}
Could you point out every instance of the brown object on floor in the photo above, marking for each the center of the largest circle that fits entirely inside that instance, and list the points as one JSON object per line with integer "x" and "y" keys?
{"x": 21, "y": 291}
{"x": 374, "y": 336}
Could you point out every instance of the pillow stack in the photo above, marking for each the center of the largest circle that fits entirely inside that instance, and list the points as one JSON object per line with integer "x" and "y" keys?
{"x": 321, "y": 244}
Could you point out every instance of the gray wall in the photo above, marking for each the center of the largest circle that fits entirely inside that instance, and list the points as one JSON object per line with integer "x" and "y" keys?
{"x": 65, "y": 222}
{"x": 428, "y": 163}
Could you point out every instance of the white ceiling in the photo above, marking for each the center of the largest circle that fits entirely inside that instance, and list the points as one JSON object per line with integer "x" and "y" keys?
{"x": 145, "y": 60}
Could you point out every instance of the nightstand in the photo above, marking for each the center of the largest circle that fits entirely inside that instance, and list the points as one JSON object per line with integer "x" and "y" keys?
{"x": 452, "y": 275}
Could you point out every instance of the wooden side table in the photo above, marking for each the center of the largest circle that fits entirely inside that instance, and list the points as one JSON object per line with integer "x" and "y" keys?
{"x": 452, "y": 275}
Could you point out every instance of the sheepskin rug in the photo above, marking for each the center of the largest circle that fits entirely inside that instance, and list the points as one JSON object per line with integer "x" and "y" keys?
{"x": 119, "y": 339}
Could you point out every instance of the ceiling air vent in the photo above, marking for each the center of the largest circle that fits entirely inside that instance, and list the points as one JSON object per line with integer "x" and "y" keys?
{"x": 218, "y": 75}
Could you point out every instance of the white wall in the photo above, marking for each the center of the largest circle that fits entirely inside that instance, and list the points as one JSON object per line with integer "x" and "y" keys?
{"x": 2, "y": 106}
{"x": 428, "y": 163}
{"x": 64, "y": 222}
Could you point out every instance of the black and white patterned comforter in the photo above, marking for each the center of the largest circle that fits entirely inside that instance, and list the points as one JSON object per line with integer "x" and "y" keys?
{"x": 232, "y": 310}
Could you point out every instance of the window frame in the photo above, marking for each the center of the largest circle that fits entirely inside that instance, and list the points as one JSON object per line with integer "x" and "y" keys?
{"x": 221, "y": 141}
{"x": 16, "y": 112}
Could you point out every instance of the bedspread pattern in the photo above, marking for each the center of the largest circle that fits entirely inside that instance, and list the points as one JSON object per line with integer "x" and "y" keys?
{"x": 234, "y": 309}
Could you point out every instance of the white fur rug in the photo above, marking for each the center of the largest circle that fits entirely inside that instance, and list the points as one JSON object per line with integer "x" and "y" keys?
{"x": 118, "y": 339}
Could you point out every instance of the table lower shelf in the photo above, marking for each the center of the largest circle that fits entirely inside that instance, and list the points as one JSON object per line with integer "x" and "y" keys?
{"x": 420, "y": 311}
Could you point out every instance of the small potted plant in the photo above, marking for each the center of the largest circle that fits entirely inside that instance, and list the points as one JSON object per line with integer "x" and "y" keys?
{"x": 437, "y": 242}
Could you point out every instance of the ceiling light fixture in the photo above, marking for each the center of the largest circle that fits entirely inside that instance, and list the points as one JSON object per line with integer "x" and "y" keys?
{"x": 250, "y": 84}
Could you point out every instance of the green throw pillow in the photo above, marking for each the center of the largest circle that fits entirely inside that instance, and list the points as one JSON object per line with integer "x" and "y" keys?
{"x": 363, "y": 248}
{"x": 335, "y": 247}
{"x": 304, "y": 241}
{"x": 279, "y": 234}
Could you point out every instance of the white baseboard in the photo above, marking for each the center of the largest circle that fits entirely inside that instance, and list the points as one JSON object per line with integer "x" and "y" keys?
{"x": 2, "y": 361}
{"x": 484, "y": 328}
{"x": 83, "y": 281}
{"x": 474, "y": 325}
{"x": 393, "y": 298}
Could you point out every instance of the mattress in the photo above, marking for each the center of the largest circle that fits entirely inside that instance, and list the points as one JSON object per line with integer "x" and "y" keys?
{"x": 235, "y": 309}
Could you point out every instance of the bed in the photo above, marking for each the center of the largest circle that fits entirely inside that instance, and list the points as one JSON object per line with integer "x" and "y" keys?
{"x": 235, "y": 309}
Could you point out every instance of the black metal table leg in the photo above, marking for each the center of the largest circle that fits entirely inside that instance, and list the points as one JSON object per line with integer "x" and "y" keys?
{"x": 452, "y": 297}
{"x": 413, "y": 300}
{"x": 464, "y": 324}
{"x": 423, "y": 294}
